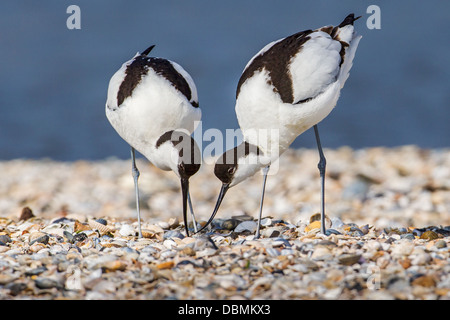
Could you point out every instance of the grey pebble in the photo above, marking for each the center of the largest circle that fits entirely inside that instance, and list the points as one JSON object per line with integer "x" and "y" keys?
{"x": 408, "y": 236}
{"x": 173, "y": 234}
{"x": 348, "y": 259}
{"x": 79, "y": 237}
{"x": 440, "y": 244}
{"x": 35, "y": 271}
{"x": 4, "y": 239}
{"x": 16, "y": 288}
{"x": 102, "y": 221}
{"x": 272, "y": 252}
{"x": 246, "y": 226}
{"x": 204, "y": 242}
{"x": 44, "y": 240}
{"x": 47, "y": 283}
{"x": 331, "y": 231}
{"x": 229, "y": 224}
{"x": 271, "y": 232}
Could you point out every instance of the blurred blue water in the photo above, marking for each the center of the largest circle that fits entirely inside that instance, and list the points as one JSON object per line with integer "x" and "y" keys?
{"x": 53, "y": 80}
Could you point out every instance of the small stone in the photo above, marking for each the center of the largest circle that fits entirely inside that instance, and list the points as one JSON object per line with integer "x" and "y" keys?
{"x": 204, "y": 242}
{"x": 47, "y": 283}
{"x": 26, "y": 214}
{"x": 164, "y": 225}
{"x": 36, "y": 247}
{"x": 272, "y": 252}
{"x": 349, "y": 259}
{"x": 312, "y": 226}
{"x": 229, "y": 224}
{"x": 102, "y": 221}
{"x": 169, "y": 244}
{"x": 155, "y": 228}
{"x": 308, "y": 264}
{"x": 424, "y": 281}
{"x": 429, "y": 235}
{"x": 408, "y": 236}
{"x": 331, "y": 231}
{"x": 173, "y": 223}
{"x": 321, "y": 253}
{"x": 39, "y": 237}
{"x": 35, "y": 271}
{"x": 6, "y": 278}
{"x": 119, "y": 243}
{"x": 354, "y": 231}
{"x": 328, "y": 243}
{"x": 127, "y": 231}
{"x": 187, "y": 250}
{"x": 116, "y": 265}
{"x": 442, "y": 291}
{"x": 68, "y": 236}
{"x": 315, "y": 217}
{"x": 206, "y": 252}
{"x": 165, "y": 265}
{"x": 78, "y": 226}
{"x": 74, "y": 282}
{"x": 336, "y": 223}
{"x": 79, "y": 237}
{"x": 16, "y": 288}
{"x": 332, "y": 294}
{"x": 440, "y": 244}
{"x": 173, "y": 234}
{"x": 287, "y": 252}
{"x": 417, "y": 232}
{"x": 167, "y": 254}
{"x": 271, "y": 232}
{"x": 420, "y": 258}
{"x": 365, "y": 229}
{"x": 246, "y": 226}
{"x": 266, "y": 222}
{"x": 4, "y": 239}
{"x": 373, "y": 245}
{"x": 398, "y": 287}
{"x": 148, "y": 234}
{"x": 405, "y": 247}
{"x": 74, "y": 254}
{"x": 405, "y": 263}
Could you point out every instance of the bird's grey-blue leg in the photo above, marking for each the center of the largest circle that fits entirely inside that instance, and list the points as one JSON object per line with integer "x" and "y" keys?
{"x": 265, "y": 171}
{"x": 194, "y": 222}
{"x": 136, "y": 174}
{"x": 322, "y": 164}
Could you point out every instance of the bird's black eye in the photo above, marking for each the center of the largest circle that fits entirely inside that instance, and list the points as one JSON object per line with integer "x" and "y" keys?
{"x": 225, "y": 172}
{"x": 187, "y": 170}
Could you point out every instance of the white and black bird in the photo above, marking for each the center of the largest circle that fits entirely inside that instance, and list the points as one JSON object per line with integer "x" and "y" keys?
{"x": 152, "y": 103}
{"x": 288, "y": 87}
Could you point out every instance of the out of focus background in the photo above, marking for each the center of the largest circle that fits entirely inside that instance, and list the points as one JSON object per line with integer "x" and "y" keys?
{"x": 53, "y": 80}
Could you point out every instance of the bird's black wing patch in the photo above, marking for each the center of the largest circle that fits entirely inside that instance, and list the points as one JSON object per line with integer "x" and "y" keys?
{"x": 133, "y": 75}
{"x": 136, "y": 70}
{"x": 276, "y": 61}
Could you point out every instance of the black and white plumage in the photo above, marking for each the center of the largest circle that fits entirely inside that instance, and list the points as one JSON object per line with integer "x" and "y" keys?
{"x": 288, "y": 87}
{"x": 152, "y": 103}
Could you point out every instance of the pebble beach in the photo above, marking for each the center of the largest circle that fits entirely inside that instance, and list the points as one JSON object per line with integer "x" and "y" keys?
{"x": 68, "y": 230}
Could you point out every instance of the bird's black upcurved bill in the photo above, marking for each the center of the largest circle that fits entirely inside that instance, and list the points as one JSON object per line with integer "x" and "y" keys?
{"x": 222, "y": 193}
{"x": 184, "y": 192}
